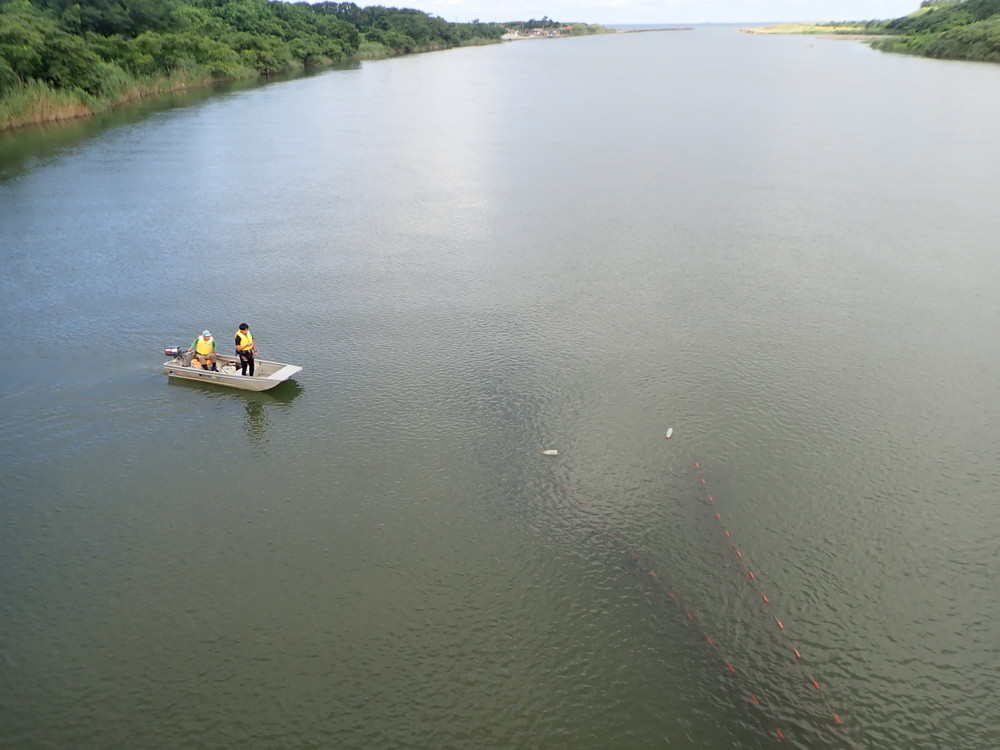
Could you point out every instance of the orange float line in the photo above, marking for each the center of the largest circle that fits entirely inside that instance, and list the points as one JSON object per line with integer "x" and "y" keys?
{"x": 709, "y": 639}
{"x": 781, "y": 627}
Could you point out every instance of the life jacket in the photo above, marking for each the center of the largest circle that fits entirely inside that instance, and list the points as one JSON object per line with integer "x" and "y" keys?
{"x": 205, "y": 347}
{"x": 246, "y": 341}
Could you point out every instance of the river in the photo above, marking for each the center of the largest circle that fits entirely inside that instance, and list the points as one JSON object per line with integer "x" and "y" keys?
{"x": 781, "y": 248}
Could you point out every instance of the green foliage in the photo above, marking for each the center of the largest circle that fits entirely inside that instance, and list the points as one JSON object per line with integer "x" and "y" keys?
{"x": 584, "y": 29}
{"x": 150, "y": 54}
{"x": 107, "y": 17}
{"x": 936, "y": 17}
{"x": 35, "y": 101}
{"x": 954, "y": 29}
{"x": 75, "y": 55}
{"x": 62, "y": 42}
{"x": 22, "y": 39}
{"x": 545, "y": 23}
{"x": 34, "y": 47}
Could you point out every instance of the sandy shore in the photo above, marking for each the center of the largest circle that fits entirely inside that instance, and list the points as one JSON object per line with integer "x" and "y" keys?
{"x": 830, "y": 30}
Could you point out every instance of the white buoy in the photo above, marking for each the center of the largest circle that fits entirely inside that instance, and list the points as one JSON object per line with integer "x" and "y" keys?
{"x": 670, "y": 432}
{"x": 550, "y": 453}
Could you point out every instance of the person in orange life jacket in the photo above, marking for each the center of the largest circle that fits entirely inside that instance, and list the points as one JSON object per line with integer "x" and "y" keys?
{"x": 204, "y": 350}
{"x": 245, "y": 348}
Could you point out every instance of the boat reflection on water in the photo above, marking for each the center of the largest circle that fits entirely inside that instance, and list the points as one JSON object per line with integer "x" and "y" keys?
{"x": 255, "y": 422}
{"x": 256, "y": 404}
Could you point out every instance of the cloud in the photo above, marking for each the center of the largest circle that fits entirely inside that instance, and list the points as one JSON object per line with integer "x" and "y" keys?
{"x": 667, "y": 11}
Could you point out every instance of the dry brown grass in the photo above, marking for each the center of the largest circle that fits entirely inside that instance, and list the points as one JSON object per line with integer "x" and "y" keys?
{"x": 804, "y": 28}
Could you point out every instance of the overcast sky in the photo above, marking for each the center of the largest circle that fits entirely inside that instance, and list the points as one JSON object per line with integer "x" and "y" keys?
{"x": 659, "y": 11}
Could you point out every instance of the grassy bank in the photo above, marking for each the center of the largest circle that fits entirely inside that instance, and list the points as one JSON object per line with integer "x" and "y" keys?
{"x": 61, "y": 60}
{"x": 37, "y": 103}
{"x": 849, "y": 29}
{"x": 944, "y": 29}
{"x": 966, "y": 30}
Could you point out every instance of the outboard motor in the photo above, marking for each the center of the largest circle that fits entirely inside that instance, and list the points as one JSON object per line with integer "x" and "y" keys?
{"x": 182, "y": 355}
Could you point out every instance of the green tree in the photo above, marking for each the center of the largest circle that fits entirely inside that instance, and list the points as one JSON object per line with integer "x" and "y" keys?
{"x": 22, "y": 38}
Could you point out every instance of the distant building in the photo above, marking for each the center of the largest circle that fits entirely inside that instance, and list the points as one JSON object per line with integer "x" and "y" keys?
{"x": 512, "y": 34}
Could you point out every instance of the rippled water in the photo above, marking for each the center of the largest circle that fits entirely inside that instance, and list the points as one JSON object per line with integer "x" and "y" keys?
{"x": 783, "y": 248}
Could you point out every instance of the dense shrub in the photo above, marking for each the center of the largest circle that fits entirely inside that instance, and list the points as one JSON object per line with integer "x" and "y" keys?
{"x": 83, "y": 54}
{"x": 954, "y": 29}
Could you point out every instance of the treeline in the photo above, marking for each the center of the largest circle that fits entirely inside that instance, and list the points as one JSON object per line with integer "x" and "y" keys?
{"x": 546, "y": 23}
{"x": 66, "y": 58}
{"x": 951, "y": 29}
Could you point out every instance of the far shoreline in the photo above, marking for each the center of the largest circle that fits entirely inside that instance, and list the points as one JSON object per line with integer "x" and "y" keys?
{"x": 827, "y": 30}
{"x": 641, "y": 31}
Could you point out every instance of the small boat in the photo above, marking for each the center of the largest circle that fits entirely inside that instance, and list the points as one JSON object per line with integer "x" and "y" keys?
{"x": 267, "y": 374}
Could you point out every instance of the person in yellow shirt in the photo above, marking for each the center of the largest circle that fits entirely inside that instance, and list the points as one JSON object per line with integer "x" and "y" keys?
{"x": 204, "y": 350}
{"x": 245, "y": 348}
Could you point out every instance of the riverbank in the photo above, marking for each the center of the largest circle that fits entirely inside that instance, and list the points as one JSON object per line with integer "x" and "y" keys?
{"x": 828, "y": 29}
{"x": 642, "y": 31}
{"x": 37, "y": 103}
{"x": 58, "y": 62}
{"x": 947, "y": 30}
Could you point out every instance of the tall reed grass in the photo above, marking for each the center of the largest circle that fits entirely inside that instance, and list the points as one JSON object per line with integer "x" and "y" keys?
{"x": 35, "y": 102}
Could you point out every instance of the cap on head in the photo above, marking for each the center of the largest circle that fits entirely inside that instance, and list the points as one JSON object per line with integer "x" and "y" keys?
{"x": 206, "y": 333}
{"x": 244, "y": 327}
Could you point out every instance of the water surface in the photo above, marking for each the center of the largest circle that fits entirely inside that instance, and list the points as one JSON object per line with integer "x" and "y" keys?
{"x": 783, "y": 248}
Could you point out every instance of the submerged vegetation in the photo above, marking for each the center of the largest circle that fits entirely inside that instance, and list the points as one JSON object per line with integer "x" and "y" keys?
{"x": 68, "y": 58}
